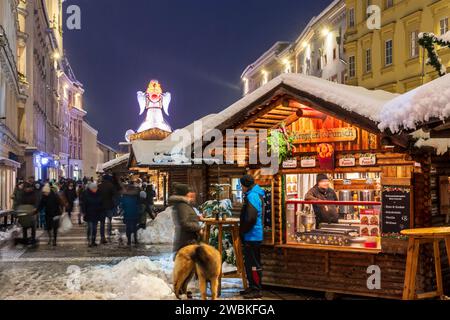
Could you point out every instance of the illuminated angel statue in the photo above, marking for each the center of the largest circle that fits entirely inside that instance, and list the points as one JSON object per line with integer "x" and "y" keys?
{"x": 154, "y": 101}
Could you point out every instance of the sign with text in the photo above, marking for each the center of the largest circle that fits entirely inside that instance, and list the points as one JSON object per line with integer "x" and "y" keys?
{"x": 290, "y": 164}
{"x": 396, "y": 208}
{"x": 368, "y": 159}
{"x": 308, "y": 162}
{"x": 325, "y": 135}
{"x": 348, "y": 161}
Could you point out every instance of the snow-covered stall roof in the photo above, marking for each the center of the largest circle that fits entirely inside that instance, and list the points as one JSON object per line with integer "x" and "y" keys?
{"x": 171, "y": 150}
{"x": 112, "y": 163}
{"x": 430, "y": 101}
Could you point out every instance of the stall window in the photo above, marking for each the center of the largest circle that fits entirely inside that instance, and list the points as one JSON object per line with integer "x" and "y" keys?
{"x": 237, "y": 195}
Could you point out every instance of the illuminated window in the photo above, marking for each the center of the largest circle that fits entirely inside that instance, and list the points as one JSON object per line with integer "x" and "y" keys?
{"x": 388, "y": 51}
{"x": 368, "y": 60}
{"x": 444, "y": 26}
{"x": 389, "y": 4}
{"x": 237, "y": 195}
{"x": 414, "y": 50}
{"x": 351, "y": 66}
{"x": 351, "y": 17}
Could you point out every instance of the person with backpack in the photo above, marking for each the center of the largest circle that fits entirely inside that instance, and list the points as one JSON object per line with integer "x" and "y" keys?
{"x": 251, "y": 230}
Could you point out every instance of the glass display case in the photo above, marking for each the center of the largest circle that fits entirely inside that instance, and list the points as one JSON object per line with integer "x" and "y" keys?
{"x": 360, "y": 229}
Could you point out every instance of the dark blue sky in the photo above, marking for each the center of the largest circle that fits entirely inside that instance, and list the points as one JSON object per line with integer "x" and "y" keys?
{"x": 197, "y": 49}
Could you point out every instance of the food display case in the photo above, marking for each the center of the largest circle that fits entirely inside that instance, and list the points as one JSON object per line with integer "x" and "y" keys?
{"x": 359, "y": 230}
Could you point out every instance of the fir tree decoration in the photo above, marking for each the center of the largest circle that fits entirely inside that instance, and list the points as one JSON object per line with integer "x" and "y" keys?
{"x": 429, "y": 41}
{"x": 281, "y": 142}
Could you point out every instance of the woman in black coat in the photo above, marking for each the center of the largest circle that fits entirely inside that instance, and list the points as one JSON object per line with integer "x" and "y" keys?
{"x": 71, "y": 195}
{"x": 93, "y": 210}
{"x": 51, "y": 203}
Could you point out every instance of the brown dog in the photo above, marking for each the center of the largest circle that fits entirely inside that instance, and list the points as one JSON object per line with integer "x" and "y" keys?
{"x": 202, "y": 259}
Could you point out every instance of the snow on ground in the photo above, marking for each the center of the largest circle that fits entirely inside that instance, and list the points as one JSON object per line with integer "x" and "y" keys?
{"x": 159, "y": 231}
{"x": 9, "y": 235}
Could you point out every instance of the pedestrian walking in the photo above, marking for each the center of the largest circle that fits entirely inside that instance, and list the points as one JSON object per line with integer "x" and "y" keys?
{"x": 130, "y": 204}
{"x": 92, "y": 208}
{"x": 251, "y": 230}
{"x": 70, "y": 194}
{"x": 26, "y": 213}
{"x": 108, "y": 193}
{"x": 52, "y": 204}
{"x": 81, "y": 192}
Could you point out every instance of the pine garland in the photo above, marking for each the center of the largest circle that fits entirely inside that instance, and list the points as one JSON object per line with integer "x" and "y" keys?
{"x": 429, "y": 41}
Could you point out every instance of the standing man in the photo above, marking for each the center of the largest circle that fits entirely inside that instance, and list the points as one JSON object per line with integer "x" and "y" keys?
{"x": 187, "y": 224}
{"x": 251, "y": 230}
{"x": 92, "y": 208}
{"x": 108, "y": 193}
{"x": 323, "y": 192}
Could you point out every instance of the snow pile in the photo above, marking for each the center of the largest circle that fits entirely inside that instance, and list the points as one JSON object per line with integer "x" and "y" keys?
{"x": 159, "y": 231}
{"x": 441, "y": 145}
{"x": 430, "y": 101}
{"x": 136, "y": 278}
{"x": 9, "y": 234}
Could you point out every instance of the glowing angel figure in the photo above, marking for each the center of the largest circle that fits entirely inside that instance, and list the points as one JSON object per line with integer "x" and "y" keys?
{"x": 154, "y": 101}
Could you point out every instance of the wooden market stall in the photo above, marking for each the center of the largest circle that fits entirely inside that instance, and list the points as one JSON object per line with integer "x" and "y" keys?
{"x": 382, "y": 185}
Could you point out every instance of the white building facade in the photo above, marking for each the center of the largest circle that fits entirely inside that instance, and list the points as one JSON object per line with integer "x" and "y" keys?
{"x": 318, "y": 51}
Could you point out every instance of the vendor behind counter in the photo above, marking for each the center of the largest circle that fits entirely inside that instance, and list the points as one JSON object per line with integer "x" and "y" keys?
{"x": 323, "y": 192}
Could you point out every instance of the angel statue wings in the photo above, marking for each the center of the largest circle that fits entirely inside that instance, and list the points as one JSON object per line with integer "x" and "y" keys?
{"x": 154, "y": 101}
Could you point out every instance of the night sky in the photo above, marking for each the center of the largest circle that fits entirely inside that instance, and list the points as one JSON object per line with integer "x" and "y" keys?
{"x": 197, "y": 49}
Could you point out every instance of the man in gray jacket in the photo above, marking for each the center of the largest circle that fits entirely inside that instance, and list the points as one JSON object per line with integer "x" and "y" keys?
{"x": 187, "y": 226}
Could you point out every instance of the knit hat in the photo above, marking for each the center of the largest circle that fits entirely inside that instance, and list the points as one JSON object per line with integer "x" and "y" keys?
{"x": 92, "y": 186}
{"x": 321, "y": 177}
{"x": 247, "y": 181}
{"x": 46, "y": 188}
{"x": 181, "y": 189}
{"x": 143, "y": 194}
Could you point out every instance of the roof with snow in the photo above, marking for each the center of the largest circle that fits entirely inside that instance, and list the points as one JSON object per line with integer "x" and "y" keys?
{"x": 373, "y": 110}
{"x": 113, "y": 163}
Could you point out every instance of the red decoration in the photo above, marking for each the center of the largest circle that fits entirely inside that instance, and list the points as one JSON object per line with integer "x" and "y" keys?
{"x": 326, "y": 156}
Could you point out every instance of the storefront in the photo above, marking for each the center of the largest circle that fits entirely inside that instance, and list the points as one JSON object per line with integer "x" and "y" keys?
{"x": 378, "y": 184}
{"x": 8, "y": 178}
{"x": 45, "y": 167}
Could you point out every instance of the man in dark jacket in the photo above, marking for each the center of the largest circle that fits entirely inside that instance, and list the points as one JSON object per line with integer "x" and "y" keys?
{"x": 322, "y": 192}
{"x": 92, "y": 208}
{"x": 251, "y": 230}
{"x": 70, "y": 193}
{"x": 51, "y": 203}
{"x": 187, "y": 226}
{"x": 108, "y": 193}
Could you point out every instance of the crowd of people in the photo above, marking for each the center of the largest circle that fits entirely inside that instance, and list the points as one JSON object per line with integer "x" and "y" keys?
{"x": 41, "y": 204}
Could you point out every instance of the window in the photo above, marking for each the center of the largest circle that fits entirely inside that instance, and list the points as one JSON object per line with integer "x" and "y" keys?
{"x": 237, "y": 195}
{"x": 388, "y": 50}
{"x": 389, "y": 4}
{"x": 319, "y": 64}
{"x": 368, "y": 4}
{"x": 351, "y": 17}
{"x": 444, "y": 26}
{"x": 414, "y": 50}
{"x": 334, "y": 54}
{"x": 325, "y": 60}
{"x": 368, "y": 60}
{"x": 351, "y": 67}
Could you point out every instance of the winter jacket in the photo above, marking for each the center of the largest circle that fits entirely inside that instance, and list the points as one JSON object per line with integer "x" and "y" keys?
{"x": 71, "y": 196}
{"x": 186, "y": 222}
{"x": 51, "y": 204}
{"x": 130, "y": 204}
{"x": 324, "y": 213}
{"x": 92, "y": 206}
{"x": 251, "y": 221}
{"x": 108, "y": 192}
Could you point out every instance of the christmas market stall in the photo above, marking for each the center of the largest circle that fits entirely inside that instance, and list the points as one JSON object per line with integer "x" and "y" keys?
{"x": 380, "y": 184}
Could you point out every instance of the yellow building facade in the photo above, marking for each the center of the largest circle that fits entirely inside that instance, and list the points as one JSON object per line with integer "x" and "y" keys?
{"x": 384, "y": 53}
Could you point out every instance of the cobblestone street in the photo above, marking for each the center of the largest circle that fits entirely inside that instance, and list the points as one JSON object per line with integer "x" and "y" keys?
{"x": 45, "y": 272}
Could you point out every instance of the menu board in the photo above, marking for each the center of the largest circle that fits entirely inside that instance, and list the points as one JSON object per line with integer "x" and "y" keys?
{"x": 396, "y": 209}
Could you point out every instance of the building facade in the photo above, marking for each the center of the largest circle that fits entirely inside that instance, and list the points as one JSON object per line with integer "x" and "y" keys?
{"x": 318, "y": 51}
{"x": 390, "y": 58}
{"x": 71, "y": 126}
{"x": 11, "y": 100}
